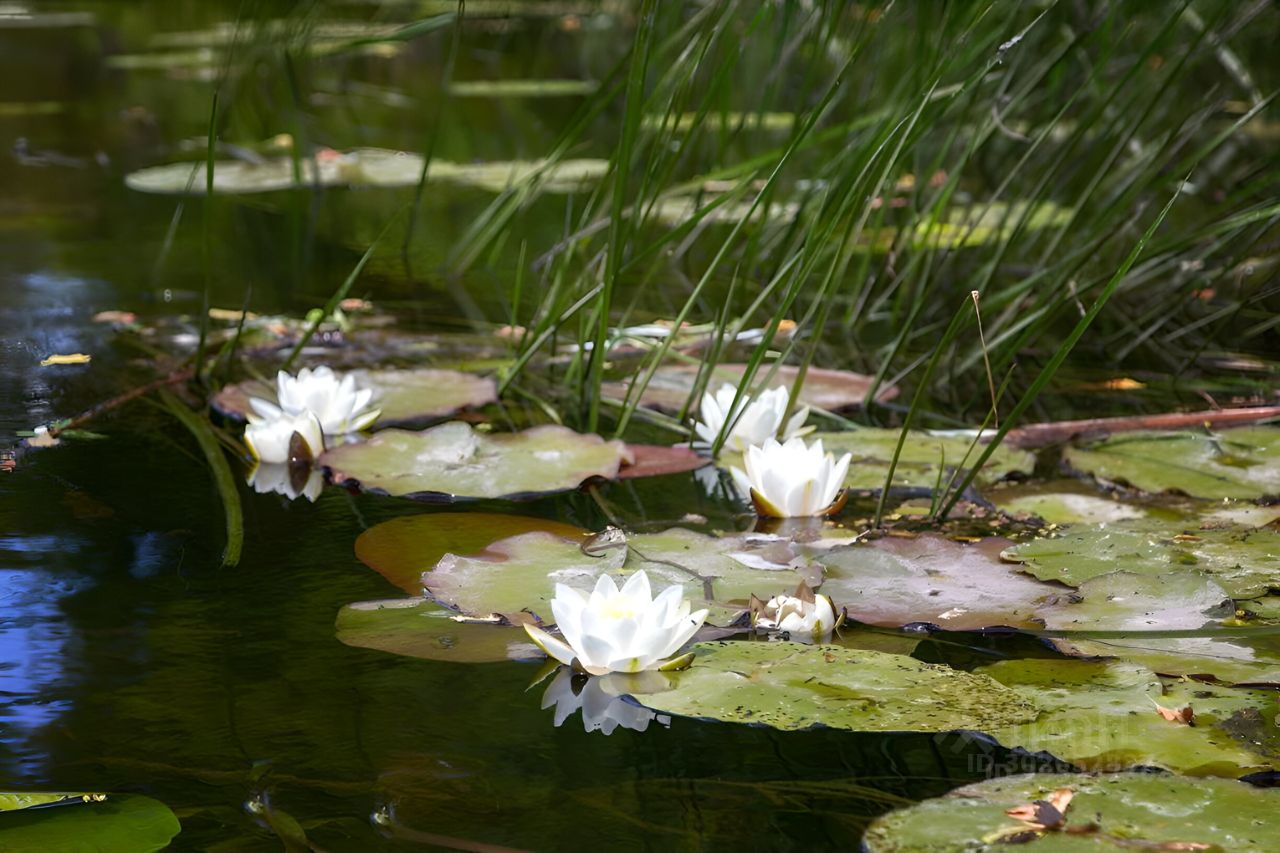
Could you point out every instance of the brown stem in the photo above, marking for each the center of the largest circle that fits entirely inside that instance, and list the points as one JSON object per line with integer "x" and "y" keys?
{"x": 127, "y": 397}
{"x": 1041, "y": 435}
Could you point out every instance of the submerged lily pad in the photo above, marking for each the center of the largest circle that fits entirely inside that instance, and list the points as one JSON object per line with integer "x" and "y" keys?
{"x": 795, "y": 686}
{"x": 418, "y": 628}
{"x": 1233, "y": 463}
{"x": 1101, "y": 716}
{"x": 362, "y": 167}
{"x": 404, "y": 396}
{"x": 403, "y": 548}
{"x": 1138, "y": 810}
{"x": 520, "y": 573}
{"x": 1245, "y": 561}
{"x": 120, "y": 822}
{"x": 959, "y": 587}
{"x": 454, "y": 462}
{"x": 824, "y": 389}
{"x": 1065, "y": 503}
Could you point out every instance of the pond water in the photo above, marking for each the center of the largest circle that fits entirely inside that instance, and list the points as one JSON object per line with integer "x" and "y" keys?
{"x": 131, "y": 662}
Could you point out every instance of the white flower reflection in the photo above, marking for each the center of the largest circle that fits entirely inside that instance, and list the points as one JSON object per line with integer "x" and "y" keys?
{"x": 292, "y": 481}
{"x": 600, "y": 698}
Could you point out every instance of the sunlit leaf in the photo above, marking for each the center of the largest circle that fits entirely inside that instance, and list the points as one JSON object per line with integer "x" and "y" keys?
{"x": 454, "y": 462}
{"x": 1139, "y": 810}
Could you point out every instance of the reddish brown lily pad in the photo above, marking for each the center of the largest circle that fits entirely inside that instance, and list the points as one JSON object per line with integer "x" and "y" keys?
{"x": 652, "y": 460}
{"x": 823, "y": 389}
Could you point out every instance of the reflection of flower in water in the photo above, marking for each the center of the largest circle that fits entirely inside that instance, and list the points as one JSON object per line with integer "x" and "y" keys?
{"x": 292, "y": 481}
{"x": 602, "y": 709}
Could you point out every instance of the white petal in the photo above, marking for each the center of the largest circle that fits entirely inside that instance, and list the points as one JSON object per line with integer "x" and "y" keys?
{"x": 550, "y": 644}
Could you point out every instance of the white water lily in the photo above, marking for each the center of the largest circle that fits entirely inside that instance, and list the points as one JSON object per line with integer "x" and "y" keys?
{"x": 269, "y": 436}
{"x": 806, "y": 616}
{"x": 603, "y": 710}
{"x": 340, "y": 406}
{"x": 292, "y": 481}
{"x": 792, "y": 480}
{"x": 618, "y": 630}
{"x": 760, "y": 419}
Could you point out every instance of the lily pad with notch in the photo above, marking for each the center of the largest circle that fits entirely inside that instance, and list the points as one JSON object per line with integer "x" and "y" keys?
{"x": 454, "y": 462}
{"x": 1131, "y": 810}
{"x": 1102, "y": 716}
{"x": 403, "y": 548}
{"x": 404, "y": 396}
{"x": 519, "y": 574}
{"x": 1134, "y": 610}
{"x": 958, "y": 587}
{"x": 824, "y": 389}
{"x": 1244, "y": 560}
{"x": 419, "y": 628}
{"x": 792, "y": 686}
{"x": 1233, "y": 463}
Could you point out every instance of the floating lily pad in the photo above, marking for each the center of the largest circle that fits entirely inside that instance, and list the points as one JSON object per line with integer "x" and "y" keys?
{"x": 454, "y": 462}
{"x": 404, "y": 396}
{"x": 418, "y": 628}
{"x": 1233, "y": 463}
{"x": 362, "y": 167}
{"x": 120, "y": 822}
{"x": 403, "y": 548}
{"x": 722, "y": 121}
{"x": 520, "y": 573}
{"x": 824, "y": 389}
{"x": 15, "y": 800}
{"x": 1139, "y": 810}
{"x": 1101, "y": 716}
{"x": 1245, "y": 561}
{"x": 653, "y": 460}
{"x": 1142, "y": 604}
{"x": 795, "y": 686}
{"x": 958, "y": 587}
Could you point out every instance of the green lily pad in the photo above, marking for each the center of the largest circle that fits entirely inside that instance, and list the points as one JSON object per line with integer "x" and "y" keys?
{"x": 417, "y": 628}
{"x": 127, "y": 823}
{"x": 403, "y": 548}
{"x": 1234, "y": 463}
{"x": 404, "y": 396}
{"x": 520, "y": 573}
{"x": 823, "y": 389}
{"x": 959, "y": 587}
{"x": 15, "y": 800}
{"x": 362, "y": 167}
{"x": 1101, "y": 716}
{"x": 794, "y": 686}
{"x": 1139, "y": 810}
{"x": 721, "y": 121}
{"x": 1245, "y": 561}
{"x": 454, "y": 462}
{"x": 1138, "y": 604}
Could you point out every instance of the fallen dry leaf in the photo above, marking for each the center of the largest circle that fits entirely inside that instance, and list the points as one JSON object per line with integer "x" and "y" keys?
{"x": 1185, "y": 716}
{"x": 70, "y": 358}
{"x": 126, "y": 317}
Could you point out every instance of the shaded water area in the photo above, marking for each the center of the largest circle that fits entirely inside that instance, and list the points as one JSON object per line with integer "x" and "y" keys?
{"x": 131, "y": 662}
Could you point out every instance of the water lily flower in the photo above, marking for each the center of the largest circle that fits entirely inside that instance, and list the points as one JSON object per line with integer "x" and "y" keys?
{"x": 803, "y": 615}
{"x": 793, "y": 479}
{"x": 618, "y": 630}
{"x": 338, "y": 404}
{"x": 272, "y": 439}
{"x": 603, "y": 709}
{"x": 292, "y": 481}
{"x": 760, "y": 417}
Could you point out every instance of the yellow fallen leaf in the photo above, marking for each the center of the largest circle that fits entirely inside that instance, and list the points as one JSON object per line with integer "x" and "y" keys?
{"x": 70, "y": 358}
